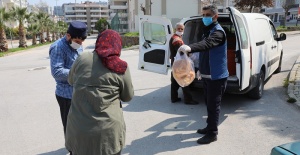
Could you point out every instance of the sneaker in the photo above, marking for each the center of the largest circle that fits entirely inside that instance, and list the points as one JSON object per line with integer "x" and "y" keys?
{"x": 176, "y": 100}
{"x": 202, "y": 131}
{"x": 206, "y": 139}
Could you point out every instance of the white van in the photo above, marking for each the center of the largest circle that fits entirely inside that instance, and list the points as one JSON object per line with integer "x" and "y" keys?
{"x": 254, "y": 50}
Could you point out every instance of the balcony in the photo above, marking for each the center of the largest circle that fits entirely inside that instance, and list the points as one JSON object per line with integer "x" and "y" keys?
{"x": 116, "y": 7}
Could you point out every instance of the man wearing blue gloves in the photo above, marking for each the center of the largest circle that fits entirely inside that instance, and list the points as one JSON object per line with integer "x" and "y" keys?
{"x": 213, "y": 69}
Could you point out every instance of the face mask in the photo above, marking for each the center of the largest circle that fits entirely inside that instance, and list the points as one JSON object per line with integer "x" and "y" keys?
{"x": 74, "y": 45}
{"x": 207, "y": 20}
{"x": 179, "y": 33}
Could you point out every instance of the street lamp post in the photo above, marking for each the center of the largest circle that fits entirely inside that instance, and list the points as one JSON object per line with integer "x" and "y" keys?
{"x": 10, "y": 35}
{"x": 57, "y": 16}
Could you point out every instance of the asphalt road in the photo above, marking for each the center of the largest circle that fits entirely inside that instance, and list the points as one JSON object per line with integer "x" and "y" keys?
{"x": 30, "y": 120}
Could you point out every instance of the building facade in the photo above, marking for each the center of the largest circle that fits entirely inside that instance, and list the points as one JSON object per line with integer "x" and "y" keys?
{"x": 46, "y": 9}
{"x": 8, "y": 4}
{"x": 174, "y": 10}
{"x": 58, "y": 11}
{"x": 87, "y": 12}
{"x": 118, "y": 11}
{"x": 277, "y": 13}
{"x": 13, "y": 3}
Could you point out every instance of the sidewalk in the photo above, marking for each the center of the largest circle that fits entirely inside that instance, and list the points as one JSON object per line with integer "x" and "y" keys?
{"x": 294, "y": 82}
{"x": 294, "y": 77}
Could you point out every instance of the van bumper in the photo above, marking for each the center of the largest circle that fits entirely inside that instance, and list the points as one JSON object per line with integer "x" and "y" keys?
{"x": 232, "y": 87}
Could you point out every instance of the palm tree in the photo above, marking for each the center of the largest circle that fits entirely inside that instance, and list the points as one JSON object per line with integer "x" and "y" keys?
{"x": 4, "y": 16}
{"x": 48, "y": 25}
{"x": 33, "y": 30}
{"x": 42, "y": 18}
{"x": 20, "y": 15}
{"x": 63, "y": 27}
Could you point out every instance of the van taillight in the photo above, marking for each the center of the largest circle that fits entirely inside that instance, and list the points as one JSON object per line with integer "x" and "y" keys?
{"x": 251, "y": 58}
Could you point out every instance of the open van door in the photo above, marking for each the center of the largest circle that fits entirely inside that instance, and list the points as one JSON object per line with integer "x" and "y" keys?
{"x": 155, "y": 34}
{"x": 243, "y": 49}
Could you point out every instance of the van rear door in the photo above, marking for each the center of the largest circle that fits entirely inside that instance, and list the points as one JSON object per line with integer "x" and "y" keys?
{"x": 154, "y": 36}
{"x": 243, "y": 51}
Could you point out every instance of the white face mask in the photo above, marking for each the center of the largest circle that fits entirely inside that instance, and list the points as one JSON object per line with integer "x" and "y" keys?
{"x": 179, "y": 33}
{"x": 74, "y": 45}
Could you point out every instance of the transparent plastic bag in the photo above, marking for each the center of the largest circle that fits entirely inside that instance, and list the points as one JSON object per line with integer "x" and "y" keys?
{"x": 183, "y": 69}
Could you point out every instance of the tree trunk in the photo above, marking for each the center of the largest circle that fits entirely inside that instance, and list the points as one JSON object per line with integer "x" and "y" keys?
{"x": 48, "y": 35}
{"x": 284, "y": 19}
{"x": 251, "y": 9}
{"x": 22, "y": 36}
{"x": 57, "y": 36}
{"x": 3, "y": 41}
{"x": 42, "y": 39}
{"x": 53, "y": 36}
{"x": 34, "y": 39}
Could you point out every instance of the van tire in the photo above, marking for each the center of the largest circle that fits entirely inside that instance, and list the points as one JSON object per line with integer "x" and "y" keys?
{"x": 278, "y": 70}
{"x": 257, "y": 91}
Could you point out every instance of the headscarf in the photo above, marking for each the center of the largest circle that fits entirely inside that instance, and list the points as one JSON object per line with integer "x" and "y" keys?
{"x": 108, "y": 48}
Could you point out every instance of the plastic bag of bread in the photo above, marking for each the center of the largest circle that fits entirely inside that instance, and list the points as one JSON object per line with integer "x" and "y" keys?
{"x": 183, "y": 69}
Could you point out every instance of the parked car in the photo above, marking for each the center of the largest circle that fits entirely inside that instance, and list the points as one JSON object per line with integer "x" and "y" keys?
{"x": 287, "y": 149}
{"x": 254, "y": 49}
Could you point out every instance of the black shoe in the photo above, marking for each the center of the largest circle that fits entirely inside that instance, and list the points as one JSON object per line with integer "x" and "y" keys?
{"x": 192, "y": 102}
{"x": 176, "y": 100}
{"x": 202, "y": 131}
{"x": 206, "y": 139}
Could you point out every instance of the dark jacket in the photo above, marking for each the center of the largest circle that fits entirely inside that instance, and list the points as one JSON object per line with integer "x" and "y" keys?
{"x": 213, "y": 52}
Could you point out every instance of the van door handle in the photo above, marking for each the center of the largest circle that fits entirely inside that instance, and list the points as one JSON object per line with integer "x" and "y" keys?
{"x": 273, "y": 46}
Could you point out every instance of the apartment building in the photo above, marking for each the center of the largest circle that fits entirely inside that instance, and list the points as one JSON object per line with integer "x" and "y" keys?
{"x": 87, "y": 12}
{"x": 8, "y": 4}
{"x": 58, "y": 11}
{"x": 174, "y": 10}
{"x": 13, "y": 3}
{"x": 46, "y": 9}
{"x": 32, "y": 9}
{"x": 118, "y": 11}
{"x": 276, "y": 13}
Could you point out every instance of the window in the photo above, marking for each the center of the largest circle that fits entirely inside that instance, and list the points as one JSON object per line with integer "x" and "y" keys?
{"x": 155, "y": 33}
{"x": 263, "y": 33}
{"x": 243, "y": 32}
{"x": 274, "y": 32}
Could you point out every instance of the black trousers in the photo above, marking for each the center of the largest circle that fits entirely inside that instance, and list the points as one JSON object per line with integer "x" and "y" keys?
{"x": 174, "y": 91}
{"x": 64, "y": 105}
{"x": 213, "y": 92}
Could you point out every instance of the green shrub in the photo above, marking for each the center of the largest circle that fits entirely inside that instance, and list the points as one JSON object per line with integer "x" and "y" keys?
{"x": 291, "y": 100}
{"x": 288, "y": 28}
{"x": 131, "y": 34}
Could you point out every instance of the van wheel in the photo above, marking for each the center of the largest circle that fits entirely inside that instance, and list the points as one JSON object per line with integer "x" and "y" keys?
{"x": 278, "y": 70}
{"x": 257, "y": 91}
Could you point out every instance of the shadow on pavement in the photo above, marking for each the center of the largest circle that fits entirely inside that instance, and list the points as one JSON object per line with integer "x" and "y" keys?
{"x": 61, "y": 151}
{"x": 188, "y": 118}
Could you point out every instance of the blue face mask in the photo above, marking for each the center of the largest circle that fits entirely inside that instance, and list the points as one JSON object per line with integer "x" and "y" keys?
{"x": 207, "y": 20}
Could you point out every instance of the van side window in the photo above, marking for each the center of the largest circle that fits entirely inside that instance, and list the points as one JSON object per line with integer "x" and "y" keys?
{"x": 155, "y": 33}
{"x": 263, "y": 33}
{"x": 243, "y": 32}
{"x": 274, "y": 32}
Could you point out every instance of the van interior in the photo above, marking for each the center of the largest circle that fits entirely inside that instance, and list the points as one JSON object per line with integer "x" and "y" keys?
{"x": 194, "y": 31}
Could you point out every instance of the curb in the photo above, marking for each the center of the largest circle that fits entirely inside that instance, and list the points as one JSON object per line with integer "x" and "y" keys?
{"x": 294, "y": 82}
{"x": 131, "y": 48}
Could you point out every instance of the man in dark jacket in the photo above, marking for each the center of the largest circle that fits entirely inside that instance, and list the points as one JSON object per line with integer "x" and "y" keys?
{"x": 174, "y": 44}
{"x": 213, "y": 69}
